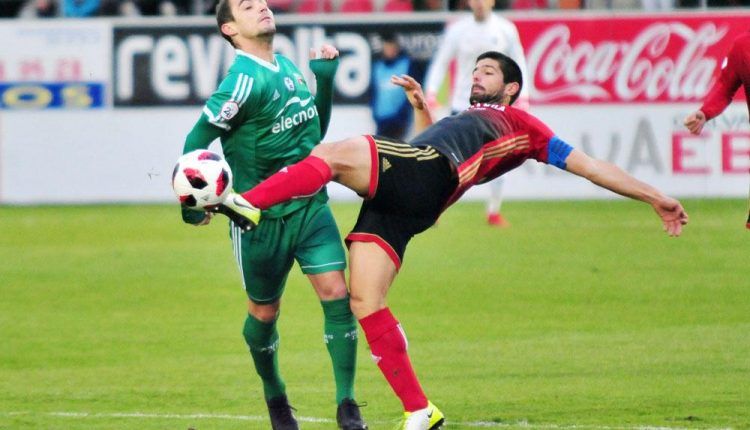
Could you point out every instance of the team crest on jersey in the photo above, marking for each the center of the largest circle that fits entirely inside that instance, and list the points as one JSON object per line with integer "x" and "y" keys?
{"x": 299, "y": 78}
{"x": 229, "y": 110}
{"x": 289, "y": 83}
{"x": 276, "y": 95}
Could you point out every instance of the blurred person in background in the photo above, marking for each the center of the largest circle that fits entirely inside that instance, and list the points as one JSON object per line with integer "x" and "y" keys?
{"x": 266, "y": 118}
{"x": 80, "y": 8}
{"x": 38, "y": 9}
{"x": 391, "y": 110}
{"x": 463, "y": 41}
{"x": 735, "y": 73}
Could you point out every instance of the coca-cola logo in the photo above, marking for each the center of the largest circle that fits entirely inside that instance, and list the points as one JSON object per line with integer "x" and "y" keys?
{"x": 662, "y": 62}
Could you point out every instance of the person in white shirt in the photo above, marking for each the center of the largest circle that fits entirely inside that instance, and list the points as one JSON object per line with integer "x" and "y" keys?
{"x": 464, "y": 40}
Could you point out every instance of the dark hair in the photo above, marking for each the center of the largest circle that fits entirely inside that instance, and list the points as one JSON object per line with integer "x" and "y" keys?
{"x": 224, "y": 15}
{"x": 510, "y": 69}
{"x": 389, "y": 37}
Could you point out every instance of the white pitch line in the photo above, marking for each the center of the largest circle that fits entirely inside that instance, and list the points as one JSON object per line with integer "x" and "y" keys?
{"x": 484, "y": 424}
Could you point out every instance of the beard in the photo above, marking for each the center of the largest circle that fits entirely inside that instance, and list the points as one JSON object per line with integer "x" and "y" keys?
{"x": 493, "y": 98}
{"x": 266, "y": 36}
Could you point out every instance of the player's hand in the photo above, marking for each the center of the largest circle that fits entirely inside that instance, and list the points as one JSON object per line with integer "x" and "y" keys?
{"x": 206, "y": 220}
{"x": 695, "y": 122}
{"x": 413, "y": 91}
{"x": 672, "y": 215}
{"x": 326, "y": 52}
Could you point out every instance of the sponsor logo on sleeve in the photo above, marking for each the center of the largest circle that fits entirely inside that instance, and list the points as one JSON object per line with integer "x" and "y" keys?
{"x": 229, "y": 110}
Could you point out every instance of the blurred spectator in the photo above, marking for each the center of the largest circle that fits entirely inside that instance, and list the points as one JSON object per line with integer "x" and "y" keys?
{"x": 128, "y": 8}
{"x": 463, "y": 41}
{"x": 390, "y": 107}
{"x": 38, "y": 9}
{"x": 167, "y": 8}
{"x": 80, "y": 8}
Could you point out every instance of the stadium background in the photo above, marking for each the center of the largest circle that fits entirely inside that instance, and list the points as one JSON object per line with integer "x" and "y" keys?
{"x": 582, "y": 315}
{"x": 124, "y": 92}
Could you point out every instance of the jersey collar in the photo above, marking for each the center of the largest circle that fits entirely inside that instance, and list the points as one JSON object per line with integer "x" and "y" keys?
{"x": 271, "y": 66}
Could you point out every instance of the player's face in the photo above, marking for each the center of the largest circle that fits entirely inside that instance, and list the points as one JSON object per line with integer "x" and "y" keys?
{"x": 487, "y": 82}
{"x": 481, "y": 8}
{"x": 252, "y": 18}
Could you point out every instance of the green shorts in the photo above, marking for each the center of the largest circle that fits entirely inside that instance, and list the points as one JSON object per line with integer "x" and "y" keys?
{"x": 265, "y": 255}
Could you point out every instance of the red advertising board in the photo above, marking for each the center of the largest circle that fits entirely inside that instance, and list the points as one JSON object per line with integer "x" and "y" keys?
{"x": 669, "y": 58}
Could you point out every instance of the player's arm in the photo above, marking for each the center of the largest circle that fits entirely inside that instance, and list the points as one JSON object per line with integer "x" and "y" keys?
{"x": 202, "y": 134}
{"x": 720, "y": 95}
{"x": 422, "y": 114}
{"x": 217, "y": 118}
{"x": 611, "y": 177}
{"x": 324, "y": 68}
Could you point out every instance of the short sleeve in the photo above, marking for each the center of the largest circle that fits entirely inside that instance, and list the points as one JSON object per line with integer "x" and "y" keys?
{"x": 539, "y": 133}
{"x": 223, "y": 107}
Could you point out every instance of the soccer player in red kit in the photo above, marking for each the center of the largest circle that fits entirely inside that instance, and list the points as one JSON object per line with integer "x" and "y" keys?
{"x": 407, "y": 185}
{"x": 735, "y": 72}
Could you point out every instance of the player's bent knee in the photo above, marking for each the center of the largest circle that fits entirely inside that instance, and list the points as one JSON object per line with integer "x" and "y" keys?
{"x": 264, "y": 313}
{"x": 361, "y": 307}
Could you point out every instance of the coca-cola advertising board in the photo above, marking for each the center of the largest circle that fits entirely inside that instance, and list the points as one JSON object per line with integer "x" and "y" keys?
{"x": 636, "y": 59}
{"x": 619, "y": 87}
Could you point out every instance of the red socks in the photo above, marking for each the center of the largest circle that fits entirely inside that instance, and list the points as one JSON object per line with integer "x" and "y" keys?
{"x": 388, "y": 347}
{"x": 298, "y": 180}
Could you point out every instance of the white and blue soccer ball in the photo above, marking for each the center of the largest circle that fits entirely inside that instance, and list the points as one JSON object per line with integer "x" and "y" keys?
{"x": 201, "y": 178}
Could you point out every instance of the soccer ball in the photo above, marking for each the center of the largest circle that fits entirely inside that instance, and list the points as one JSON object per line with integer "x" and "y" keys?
{"x": 201, "y": 178}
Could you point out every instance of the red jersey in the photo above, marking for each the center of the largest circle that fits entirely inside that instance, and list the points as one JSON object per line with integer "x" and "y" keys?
{"x": 735, "y": 72}
{"x": 486, "y": 141}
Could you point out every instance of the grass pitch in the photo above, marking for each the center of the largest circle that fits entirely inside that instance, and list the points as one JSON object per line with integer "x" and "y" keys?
{"x": 581, "y": 315}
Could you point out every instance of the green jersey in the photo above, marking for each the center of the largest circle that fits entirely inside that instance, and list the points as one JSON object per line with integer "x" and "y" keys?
{"x": 266, "y": 118}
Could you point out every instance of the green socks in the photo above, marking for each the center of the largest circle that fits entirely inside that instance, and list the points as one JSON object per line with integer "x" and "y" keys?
{"x": 340, "y": 336}
{"x": 263, "y": 340}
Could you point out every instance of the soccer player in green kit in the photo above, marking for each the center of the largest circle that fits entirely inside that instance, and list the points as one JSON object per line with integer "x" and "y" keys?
{"x": 266, "y": 118}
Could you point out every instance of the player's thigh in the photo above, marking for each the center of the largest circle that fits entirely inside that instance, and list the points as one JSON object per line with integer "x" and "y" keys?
{"x": 265, "y": 257}
{"x": 350, "y": 161}
{"x": 319, "y": 248}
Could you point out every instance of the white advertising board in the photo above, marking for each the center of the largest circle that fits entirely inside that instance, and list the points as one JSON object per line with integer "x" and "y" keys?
{"x": 96, "y": 111}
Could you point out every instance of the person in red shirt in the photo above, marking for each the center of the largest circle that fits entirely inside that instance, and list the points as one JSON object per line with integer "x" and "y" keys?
{"x": 735, "y": 72}
{"x": 407, "y": 185}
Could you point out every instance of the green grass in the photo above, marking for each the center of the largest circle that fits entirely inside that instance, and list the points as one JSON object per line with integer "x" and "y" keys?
{"x": 581, "y": 315}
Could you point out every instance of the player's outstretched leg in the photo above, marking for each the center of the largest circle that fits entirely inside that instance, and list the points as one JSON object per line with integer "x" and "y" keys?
{"x": 243, "y": 214}
{"x": 347, "y": 162}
